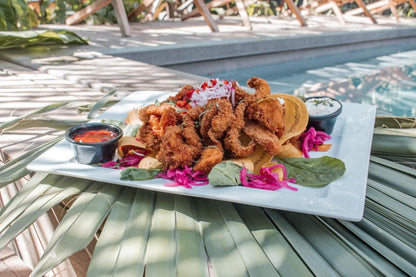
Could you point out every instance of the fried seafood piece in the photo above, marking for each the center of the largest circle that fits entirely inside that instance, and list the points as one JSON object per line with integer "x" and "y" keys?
{"x": 261, "y": 86}
{"x": 263, "y": 136}
{"x": 156, "y": 118}
{"x": 183, "y": 93}
{"x": 181, "y": 144}
{"x": 210, "y": 156}
{"x": 239, "y": 93}
{"x": 189, "y": 131}
{"x": 216, "y": 119}
{"x": 232, "y": 141}
{"x": 268, "y": 112}
{"x": 174, "y": 151}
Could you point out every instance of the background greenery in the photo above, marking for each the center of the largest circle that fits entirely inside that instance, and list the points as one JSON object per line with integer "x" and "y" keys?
{"x": 24, "y": 14}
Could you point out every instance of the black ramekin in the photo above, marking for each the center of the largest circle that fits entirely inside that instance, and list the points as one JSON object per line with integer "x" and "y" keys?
{"x": 326, "y": 122}
{"x": 93, "y": 153}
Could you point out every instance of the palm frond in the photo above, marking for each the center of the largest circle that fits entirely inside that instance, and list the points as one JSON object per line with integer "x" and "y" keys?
{"x": 100, "y": 104}
{"x": 16, "y": 168}
{"x": 15, "y": 121}
{"x": 79, "y": 225}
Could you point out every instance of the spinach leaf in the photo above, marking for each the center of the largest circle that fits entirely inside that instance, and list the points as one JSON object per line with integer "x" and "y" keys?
{"x": 138, "y": 174}
{"x": 225, "y": 174}
{"x": 313, "y": 172}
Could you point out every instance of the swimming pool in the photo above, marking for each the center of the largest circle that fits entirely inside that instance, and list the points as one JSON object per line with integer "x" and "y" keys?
{"x": 388, "y": 81}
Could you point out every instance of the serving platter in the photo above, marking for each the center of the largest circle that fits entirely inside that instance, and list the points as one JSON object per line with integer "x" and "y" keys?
{"x": 342, "y": 199}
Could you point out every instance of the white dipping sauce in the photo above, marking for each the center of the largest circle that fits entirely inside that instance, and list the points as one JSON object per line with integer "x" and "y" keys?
{"x": 321, "y": 106}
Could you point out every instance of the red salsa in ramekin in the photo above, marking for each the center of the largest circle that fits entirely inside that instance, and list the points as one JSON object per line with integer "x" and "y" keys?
{"x": 95, "y": 136}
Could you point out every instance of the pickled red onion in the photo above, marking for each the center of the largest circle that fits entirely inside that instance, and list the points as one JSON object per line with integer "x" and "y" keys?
{"x": 311, "y": 139}
{"x": 184, "y": 177}
{"x": 128, "y": 161}
{"x": 267, "y": 179}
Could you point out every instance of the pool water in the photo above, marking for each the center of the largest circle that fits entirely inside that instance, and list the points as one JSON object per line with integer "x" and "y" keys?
{"x": 389, "y": 82}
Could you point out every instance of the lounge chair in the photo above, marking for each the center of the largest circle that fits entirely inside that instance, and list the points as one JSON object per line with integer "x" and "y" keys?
{"x": 321, "y": 6}
{"x": 382, "y": 5}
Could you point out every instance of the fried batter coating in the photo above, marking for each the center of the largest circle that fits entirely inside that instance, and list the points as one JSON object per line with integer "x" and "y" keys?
{"x": 175, "y": 152}
{"x": 182, "y": 93}
{"x": 269, "y": 112}
{"x": 239, "y": 93}
{"x": 263, "y": 136}
{"x": 155, "y": 120}
{"x": 261, "y": 86}
{"x": 210, "y": 156}
{"x": 189, "y": 131}
{"x": 232, "y": 140}
{"x": 216, "y": 119}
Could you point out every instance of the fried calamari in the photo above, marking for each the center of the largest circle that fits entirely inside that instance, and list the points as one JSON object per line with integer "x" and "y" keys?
{"x": 230, "y": 123}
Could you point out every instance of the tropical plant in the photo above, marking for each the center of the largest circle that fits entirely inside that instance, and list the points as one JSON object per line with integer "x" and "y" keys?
{"x": 28, "y": 38}
{"x": 156, "y": 234}
{"x": 16, "y": 15}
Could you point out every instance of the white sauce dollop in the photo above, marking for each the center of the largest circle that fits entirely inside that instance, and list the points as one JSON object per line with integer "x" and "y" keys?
{"x": 321, "y": 106}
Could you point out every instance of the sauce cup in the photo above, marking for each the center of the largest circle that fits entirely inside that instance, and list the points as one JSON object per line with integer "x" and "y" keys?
{"x": 323, "y": 112}
{"x": 99, "y": 147}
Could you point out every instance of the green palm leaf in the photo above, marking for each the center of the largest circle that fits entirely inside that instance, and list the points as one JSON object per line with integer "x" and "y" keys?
{"x": 102, "y": 102}
{"x": 22, "y": 194}
{"x": 48, "y": 108}
{"x": 45, "y": 122}
{"x": 79, "y": 225}
{"x": 23, "y": 200}
{"x": 120, "y": 249}
{"x": 274, "y": 244}
{"x": 191, "y": 256}
{"x": 161, "y": 247}
{"x": 16, "y": 168}
{"x": 317, "y": 263}
{"x": 32, "y": 210}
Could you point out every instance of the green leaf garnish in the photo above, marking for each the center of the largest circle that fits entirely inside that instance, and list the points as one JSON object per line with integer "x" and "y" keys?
{"x": 313, "y": 172}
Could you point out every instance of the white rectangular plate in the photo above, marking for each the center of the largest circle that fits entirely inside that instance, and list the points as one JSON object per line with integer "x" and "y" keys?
{"x": 343, "y": 198}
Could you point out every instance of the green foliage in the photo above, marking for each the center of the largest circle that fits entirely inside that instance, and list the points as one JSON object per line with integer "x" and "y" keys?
{"x": 16, "y": 15}
{"x": 260, "y": 8}
{"x": 27, "y": 38}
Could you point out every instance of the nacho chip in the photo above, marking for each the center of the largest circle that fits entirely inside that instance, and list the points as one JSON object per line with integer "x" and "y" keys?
{"x": 244, "y": 162}
{"x": 296, "y": 116}
{"x": 128, "y": 144}
{"x": 289, "y": 151}
{"x": 259, "y": 158}
{"x": 150, "y": 163}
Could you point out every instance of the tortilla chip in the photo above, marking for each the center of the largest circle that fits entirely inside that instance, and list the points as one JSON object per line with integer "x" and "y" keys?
{"x": 296, "y": 116}
{"x": 289, "y": 151}
{"x": 128, "y": 144}
{"x": 150, "y": 163}
{"x": 259, "y": 158}
{"x": 244, "y": 162}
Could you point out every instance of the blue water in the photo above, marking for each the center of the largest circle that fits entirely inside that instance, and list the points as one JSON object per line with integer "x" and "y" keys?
{"x": 389, "y": 82}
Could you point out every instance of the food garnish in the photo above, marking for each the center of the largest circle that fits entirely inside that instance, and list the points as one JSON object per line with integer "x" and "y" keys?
{"x": 184, "y": 177}
{"x": 313, "y": 172}
{"x": 268, "y": 179}
{"x": 133, "y": 159}
{"x": 312, "y": 139}
{"x": 138, "y": 174}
